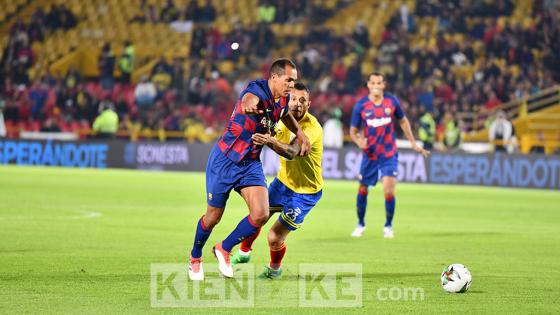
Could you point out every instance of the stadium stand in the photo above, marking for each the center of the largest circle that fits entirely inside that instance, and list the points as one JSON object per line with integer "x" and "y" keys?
{"x": 61, "y": 59}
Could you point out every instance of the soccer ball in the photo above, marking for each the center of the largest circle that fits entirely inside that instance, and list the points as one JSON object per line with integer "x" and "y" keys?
{"x": 456, "y": 278}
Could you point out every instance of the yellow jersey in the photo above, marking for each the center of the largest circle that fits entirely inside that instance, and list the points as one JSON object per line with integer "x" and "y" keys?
{"x": 303, "y": 174}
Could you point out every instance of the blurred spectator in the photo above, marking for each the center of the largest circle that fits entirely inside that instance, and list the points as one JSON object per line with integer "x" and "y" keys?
{"x": 266, "y": 12}
{"x": 126, "y": 62}
{"x": 3, "y": 131}
{"x": 333, "y": 135}
{"x": 191, "y": 11}
{"x": 20, "y": 76}
{"x": 169, "y": 12}
{"x": 38, "y": 96}
{"x": 121, "y": 106}
{"x": 361, "y": 35}
{"x": 538, "y": 146}
{"x": 207, "y": 13}
{"x": 107, "y": 123}
{"x": 452, "y": 136}
{"x": 162, "y": 80}
{"x": 427, "y": 129}
{"x": 50, "y": 126}
{"x": 492, "y": 102}
{"x": 161, "y": 65}
{"x": 145, "y": 93}
{"x": 106, "y": 67}
{"x": 500, "y": 132}
{"x": 73, "y": 78}
{"x": 60, "y": 17}
{"x": 85, "y": 105}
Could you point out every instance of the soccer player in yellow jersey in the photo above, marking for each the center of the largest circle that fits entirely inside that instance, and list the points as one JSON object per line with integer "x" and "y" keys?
{"x": 298, "y": 185}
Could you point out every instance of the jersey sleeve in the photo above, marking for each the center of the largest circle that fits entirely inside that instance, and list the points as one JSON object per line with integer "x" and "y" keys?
{"x": 254, "y": 89}
{"x": 356, "y": 120}
{"x": 399, "y": 113}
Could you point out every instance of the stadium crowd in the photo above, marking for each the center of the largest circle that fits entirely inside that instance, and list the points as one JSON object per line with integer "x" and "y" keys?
{"x": 478, "y": 58}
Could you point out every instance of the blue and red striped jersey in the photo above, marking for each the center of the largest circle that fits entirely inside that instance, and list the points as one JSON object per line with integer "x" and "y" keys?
{"x": 378, "y": 125}
{"x": 236, "y": 142}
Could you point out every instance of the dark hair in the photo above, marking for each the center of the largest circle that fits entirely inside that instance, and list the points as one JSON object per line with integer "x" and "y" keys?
{"x": 301, "y": 87}
{"x": 279, "y": 66}
{"x": 377, "y": 74}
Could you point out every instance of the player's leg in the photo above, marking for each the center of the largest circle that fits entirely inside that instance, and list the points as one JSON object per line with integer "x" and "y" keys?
{"x": 218, "y": 188}
{"x": 203, "y": 231}
{"x": 389, "y": 184}
{"x": 389, "y": 173}
{"x": 276, "y": 237}
{"x": 256, "y": 198}
{"x": 204, "y": 227}
{"x": 296, "y": 208}
{"x": 361, "y": 205}
{"x": 369, "y": 174}
{"x": 276, "y": 193}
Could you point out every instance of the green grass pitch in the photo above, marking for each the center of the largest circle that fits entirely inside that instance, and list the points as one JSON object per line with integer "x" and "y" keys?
{"x": 82, "y": 241}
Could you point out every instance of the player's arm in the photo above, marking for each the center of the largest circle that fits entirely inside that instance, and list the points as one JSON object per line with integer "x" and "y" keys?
{"x": 293, "y": 126}
{"x": 289, "y": 151}
{"x": 355, "y": 123}
{"x": 358, "y": 138}
{"x": 405, "y": 126}
{"x": 249, "y": 104}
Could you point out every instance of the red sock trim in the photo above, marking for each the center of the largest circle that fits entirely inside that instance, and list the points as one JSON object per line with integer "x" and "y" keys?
{"x": 362, "y": 191}
{"x": 389, "y": 197}
{"x": 253, "y": 223}
{"x": 248, "y": 242}
{"x": 204, "y": 227}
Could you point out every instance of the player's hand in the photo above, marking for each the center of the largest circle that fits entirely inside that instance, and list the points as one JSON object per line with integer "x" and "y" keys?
{"x": 262, "y": 138}
{"x": 304, "y": 144}
{"x": 250, "y": 105}
{"x": 251, "y": 109}
{"x": 421, "y": 150}
{"x": 362, "y": 143}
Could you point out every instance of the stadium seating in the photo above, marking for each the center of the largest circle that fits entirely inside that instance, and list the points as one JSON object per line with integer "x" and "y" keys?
{"x": 114, "y": 21}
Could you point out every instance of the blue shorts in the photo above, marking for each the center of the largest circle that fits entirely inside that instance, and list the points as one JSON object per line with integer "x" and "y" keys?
{"x": 371, "y": 171}
{"x": 294, "y": 206}
{"x": 223, "y": 175}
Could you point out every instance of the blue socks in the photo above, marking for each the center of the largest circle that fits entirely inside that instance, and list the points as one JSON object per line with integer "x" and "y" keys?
{"x": 200, "y": 238}
{"x": 389, "y": 209}
{"x": 244, "y": 229}
{"x": 361, "y": 204}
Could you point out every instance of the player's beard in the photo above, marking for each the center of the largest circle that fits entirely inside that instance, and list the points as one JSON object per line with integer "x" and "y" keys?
{"x": 377, "y": 93}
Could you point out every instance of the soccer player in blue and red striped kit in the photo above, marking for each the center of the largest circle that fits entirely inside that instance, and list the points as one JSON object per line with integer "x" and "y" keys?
{"x": 234, "y": 163}
{"x": 375, "y": 114}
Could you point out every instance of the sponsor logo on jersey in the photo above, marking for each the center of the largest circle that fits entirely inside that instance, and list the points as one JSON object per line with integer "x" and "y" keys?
{"x": 378, "y": 122}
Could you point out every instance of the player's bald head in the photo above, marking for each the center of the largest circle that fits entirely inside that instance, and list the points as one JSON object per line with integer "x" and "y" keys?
{"x": 279, "y": 66}
{"x": 283, "y": 74}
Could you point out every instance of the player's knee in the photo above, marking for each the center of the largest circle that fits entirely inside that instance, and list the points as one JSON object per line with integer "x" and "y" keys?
{"x": 389, "y": 196}
{"x": 212, "y": 218}
{"x": 260, "y": 217}
{"x": 363, "y": 191}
